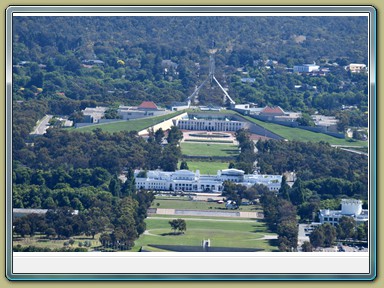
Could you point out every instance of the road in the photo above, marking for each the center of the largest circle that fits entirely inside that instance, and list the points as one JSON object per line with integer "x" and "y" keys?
{"x": 42, "y": 126}
{"x": 355, "y": 151}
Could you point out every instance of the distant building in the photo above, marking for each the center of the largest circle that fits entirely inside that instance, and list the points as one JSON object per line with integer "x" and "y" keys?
{"x": 248, "y": 80}
{"x": 93, "y": 115}
{"x": 178, "y": 106}
{"x": 267, "y": 113}
{"x": 184, "y": 180}
{"x": 201, "y": 122}
{"x": 92, "y": 62}
{"x": 356, "y": 68}
{"x": 328, "y": 123}
{"x": 145, "y": 109}
{"x": 349, "y": 208}
{"x": 272, "y": 111}
{"x": 306, "y": 68}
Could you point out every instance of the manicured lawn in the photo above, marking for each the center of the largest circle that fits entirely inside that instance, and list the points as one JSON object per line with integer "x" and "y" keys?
{"x": 195, "y": 149}
{"x": 244, "y": 234}
{"x": 206, "y": 167}
{"x": 198, "y": 205}
{"x": 131, "y": 125}
{"x": 303, "y": 135}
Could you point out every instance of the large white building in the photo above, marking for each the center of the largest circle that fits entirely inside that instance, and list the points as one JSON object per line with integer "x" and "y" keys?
{"x": 188, "y": 181}
{"x": 350, "y": 208}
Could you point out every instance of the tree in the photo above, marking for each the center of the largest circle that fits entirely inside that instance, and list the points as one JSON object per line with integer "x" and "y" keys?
{"x": 346, "y": 228}
{"x": 174, "y": 135}
{"x": 330, "y": 234}
{"x": 305, "y": 120}
{"x": 159, "y": 135}
{"x": 184, "y": 165}
{"x": 288, "y": 235}
{"x": 317, "y": 237}
{"x": 129, "y": 186}
{"x": 306, "y": 247}
{"x": 182, "y": 225}
{"x": 170, "y": 157}
{"x": 114, "y": 186}
{"x": 284, "y": 189}
{"x": 178, "y": 224}
{"x": 362, "y": 231}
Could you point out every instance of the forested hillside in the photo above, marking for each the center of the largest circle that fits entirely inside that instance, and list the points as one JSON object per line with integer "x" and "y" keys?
{"x": 164, "y": 58}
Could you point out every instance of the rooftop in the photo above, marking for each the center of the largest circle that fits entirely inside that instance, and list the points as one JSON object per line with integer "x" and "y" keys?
{"x": 273, "y": 110}
{"x": 147, "y": 105}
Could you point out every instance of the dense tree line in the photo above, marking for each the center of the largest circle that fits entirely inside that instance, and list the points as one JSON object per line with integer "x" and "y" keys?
{"x": 247, "y": 157}
{"x": 281, "y": 218}
{"x": 344, "y": 173}
{"x": 326, "y": 235}
{"x": 67, "y": 152}
{"x": 121, "y": 220}
{"x": 237, "y": 192}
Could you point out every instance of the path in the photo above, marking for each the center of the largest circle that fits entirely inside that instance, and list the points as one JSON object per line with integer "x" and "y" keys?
{"x": 42, "y": 125}
{"x": 203, "y": 219}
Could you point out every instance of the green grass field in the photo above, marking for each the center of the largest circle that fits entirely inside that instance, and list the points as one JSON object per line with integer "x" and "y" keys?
{"x": 303, "y": 135}
{"x": 222, "y": 233}
{"x": 206, "y": 167}
{"x": 198, "y": 205}
{"x": 131, "y": 125}
{"x": 195, "y": 149}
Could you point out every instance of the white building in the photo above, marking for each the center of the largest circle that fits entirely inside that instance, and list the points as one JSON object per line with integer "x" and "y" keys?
{"x": 93, "y": 115}
{"x": 306, "y": 68}
{"x": 356, "y": 68}
{"x": 210, "y": 124}
{"x": 184, "y": 180}
{"x": 350, "y": 208}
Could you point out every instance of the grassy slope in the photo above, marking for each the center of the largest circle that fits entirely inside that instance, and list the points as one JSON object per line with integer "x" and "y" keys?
{"x": 303, "y": 135}
{"x": 131, "y": 125}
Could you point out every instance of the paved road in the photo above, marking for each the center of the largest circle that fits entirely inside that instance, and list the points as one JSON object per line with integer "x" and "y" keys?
{"x": 355, "y": 151}
{"x": 42, "y": 127}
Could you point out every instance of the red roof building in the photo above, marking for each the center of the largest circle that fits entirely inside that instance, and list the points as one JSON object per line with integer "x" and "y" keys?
{"x": 147, "y": 105}
{"x": 272, "y": 111}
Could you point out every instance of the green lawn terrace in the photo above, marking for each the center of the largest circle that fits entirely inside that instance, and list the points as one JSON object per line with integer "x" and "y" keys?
{"x": 205, "y": 167}
{"x": 244, "y": 233}
{"x": 209, "y": 149}
{"x": 129, "y": 125}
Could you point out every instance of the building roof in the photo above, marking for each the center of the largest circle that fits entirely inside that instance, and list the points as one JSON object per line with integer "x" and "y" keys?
{"x": 233, "y": 172}
{"x": 273, "y": 110}
{"x": 147, "y": 105}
